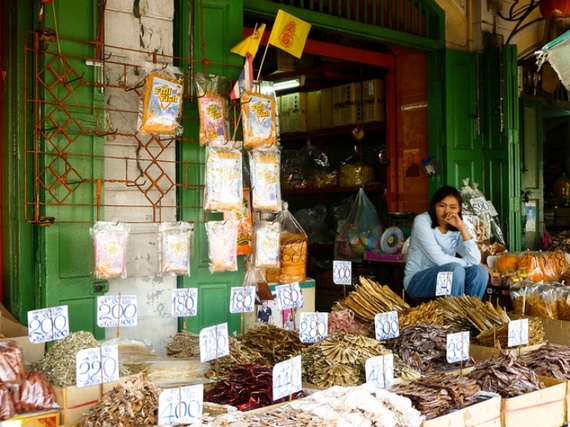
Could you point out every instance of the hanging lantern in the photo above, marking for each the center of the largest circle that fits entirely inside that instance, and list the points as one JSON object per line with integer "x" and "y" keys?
{"x": 554, "y": 8}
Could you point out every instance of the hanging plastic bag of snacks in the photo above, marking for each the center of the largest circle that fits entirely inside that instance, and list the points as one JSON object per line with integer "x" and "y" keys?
{"x": 175, "y": 242}
{"x": 245, "y": 224}
{"x": 110, "y": 247}
{"x": 292, "y": 252}
{"x": 212, "y": 108}
{"x": 223, "y": 189}
{"x": 258, "y": 114}
{"x": 355, "y": 171}
{"x": 266, "y": 244}
{"x": 265, "y": 183}
{"x": 254, "y": 277}
{"x": 222, "y": 245}
{"x": 161, "y": 106}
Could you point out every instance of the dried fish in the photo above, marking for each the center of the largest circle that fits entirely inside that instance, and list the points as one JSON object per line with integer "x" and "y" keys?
{"x": 239, "y": 354}
{"x": 184, "y": 344}
{"x": 550, "y": 360}
{"x": 498, "y": 336}
{"x": 273, "y": 343}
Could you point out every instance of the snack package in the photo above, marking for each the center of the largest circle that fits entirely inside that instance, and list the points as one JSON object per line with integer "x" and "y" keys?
{"x": 161, "y": 105}
{"x": 258, "y": 114}
{"x": 355, "y": 170}
{"x": 12, "y": 372}
{"x": 110, "y": 242}
{"x": 36, "y": 393}
{"x": 245, "y": 224}
{"x": 266, "y": 244}
{"x": 6, "y": 404}
{"x": 222, "y": 245}
{"x": 223, "y": 189}
{"x": 265, "y": 182}
{"x": 254, "y": 277}
{"x": 175, "y": 242}
{"x": 212, "y": 109}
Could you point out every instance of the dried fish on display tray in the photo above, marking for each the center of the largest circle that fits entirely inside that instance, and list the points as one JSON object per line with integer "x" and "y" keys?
{"x": 470, "y": 313}
{"x": 344, "y": 321}
{"x": 273, "y": 343}
{"x": 239, "y": 354}
{"x": 550, "y": 360}
{"x": 505, "y": 374}
{"x": 184, "y": 344}
{"x": 498, "y": 337}
{"x": 429, "y": 312}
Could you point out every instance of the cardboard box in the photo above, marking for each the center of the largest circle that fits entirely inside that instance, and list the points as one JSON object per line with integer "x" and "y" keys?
{"x": 555, "y": 331}
{"x": 293, "y": 116}
{"x": 314, "y": 110}
{"x": 544, "y": 408}
{"x": 373, "y": 95}
{"x": 486, "y": 412}
{"x": 479, "y": 352}
{"x": 14, "y": 331}
{"x": 34, "y": 419}
{"x": 327, "y": 108}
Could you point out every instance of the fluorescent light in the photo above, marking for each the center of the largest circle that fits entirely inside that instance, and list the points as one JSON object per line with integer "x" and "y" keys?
{"x": 289, "y": 84}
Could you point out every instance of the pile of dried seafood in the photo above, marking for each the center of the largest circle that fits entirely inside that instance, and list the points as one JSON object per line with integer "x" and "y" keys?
{"x": 246, "y": 387}
{"x": 343, "y": 321}
{"x": 469, "y": 312}
{"x": 133, "y": 402}
{"x": 506, "y": 375}
{"x": 239, "y": 354}
{"x": 424, "y": 347}
{"x": 184, "y": 345}
{"x": 273, "y": 343}
{"x": 370, "y": 298}
{"x": 550, "y": 360}
{"x": 498, "y": 336}
{"x": 340, "y": 359}
{"x": 437, "y": 394}
{"x": 429, "y": 312}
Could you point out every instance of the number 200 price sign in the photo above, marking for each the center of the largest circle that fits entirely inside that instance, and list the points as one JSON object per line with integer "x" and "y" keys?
{"x": 48, "y": 324}
{"x": 116, "y": 310}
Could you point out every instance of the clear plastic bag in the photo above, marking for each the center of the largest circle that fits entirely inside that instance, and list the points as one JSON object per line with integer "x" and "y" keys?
{"x": 258, "y": 112}
{"x": 266, "y": 244}
{"x": 110, "y": 243}
{"x": 212, "y": 108}
{"x": 36, "y": 393}
{"x": 223, "y": 189}
{"x": 355, "y": 171}
{"x": 222, "y": 245}
{"x": 265, "y": 182}
{"x": 244, "y": 223}
{"x": 175, "y": 242}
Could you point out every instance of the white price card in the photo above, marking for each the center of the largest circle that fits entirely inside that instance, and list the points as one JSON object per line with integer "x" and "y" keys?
{"x": 480, "y": 205}
{"x": 242, "y": 299}
{"x": 443, "y": 283}
{"x": 214, "y": 342}
{"x": 342, "y": 272}
{"x": 184, "y": 302}
{"x": 48, "y": 324}
{"x": 380, "y": 371}
{"x": 97, "y": 365}
{"x": 313, "y": 327}
{"x": 289, "y": 296}
{"x": 181, "y": 405}
{"x": 457, "y": 348}
{"x": 116, "y": 310}
{"x": 387, "y": 325}
{"x": 518, "y": 332}
{"x": 287, "y": 378}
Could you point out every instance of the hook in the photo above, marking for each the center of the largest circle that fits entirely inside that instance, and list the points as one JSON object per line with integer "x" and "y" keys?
{"x": 75, "y": 79}
{"x": 138, "y": 86}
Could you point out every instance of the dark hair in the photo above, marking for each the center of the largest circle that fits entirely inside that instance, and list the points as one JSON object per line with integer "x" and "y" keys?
{"x": 438, "y": 196}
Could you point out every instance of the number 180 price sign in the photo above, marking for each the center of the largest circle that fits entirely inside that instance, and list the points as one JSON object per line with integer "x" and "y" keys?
{"x": 184, "y": 302}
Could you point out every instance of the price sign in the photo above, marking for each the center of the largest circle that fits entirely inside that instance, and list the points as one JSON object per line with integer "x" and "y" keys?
{"x": 116, "y": 310}
{"x": 287, "y": 378}
{"x": 380, "y": 371}
{"x": 443, "y": 283}
{"x": 289, "y": 296}
{"x": 480, "y": 205}
{"x": 214, "y": 342}
{"x": 180, "y": 405}
{"x": 386, "y": 325}
{"x": 518, "y": 332}
{"x": 184, "y": 302}
{"x": 97, "y": 365}
{"x": 242, "y": 299}
{"x": 48, "y": 324}
{"x": 313, "y": 327}
{"x": 457, "y": 348}
{"x": 342, "y": 272}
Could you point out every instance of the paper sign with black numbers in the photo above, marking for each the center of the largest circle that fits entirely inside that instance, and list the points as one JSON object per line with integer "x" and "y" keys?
{"x": 518, "y": 333}
{"x": 480, "y": 205}
{"x": 97, "y": 365}
{"x": 116, "y": 310}
{"x": 184, "y": 302}
{"x": 380, "y": 371}
{"x": 443, "y": 283}
{"x": 457, "y": 348}
{"x": 181, "y": 405}
{"x": 342, "y": 272}
{"x": 48, "y": 324}
{"x": 313, "y": 327}
{"x": 287, "y": 378}
{"x": 214, "y": 342}
{"x": 242, "y": 299}
{"x": 289, "y": 296}
{"x": 386, "y": 325}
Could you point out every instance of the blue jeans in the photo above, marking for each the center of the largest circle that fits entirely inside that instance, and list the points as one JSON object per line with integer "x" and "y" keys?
{"x": 466, "y": 280}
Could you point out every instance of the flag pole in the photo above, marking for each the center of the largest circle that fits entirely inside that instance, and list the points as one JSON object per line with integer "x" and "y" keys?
{"x": 262, "y": 61}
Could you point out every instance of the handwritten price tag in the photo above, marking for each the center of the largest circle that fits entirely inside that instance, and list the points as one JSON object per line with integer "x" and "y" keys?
{"x": 97, "y": 365}
{"x": 116, "y": 310}
{"x": 518, "y": 332}
{"x": 287, "y": 378}
{"x": 457, "y": 348}
{"x": 342, "y": 272}
{"x": 184, "y": 302}
{"x": 480, "y": 205}
{"x": 380, "y": 371}
{"x": 214, "y": 342}
{"x": 313, "y": 327}
{"x": 443, "y": 284}
{"x": 180, "y": 405}
{"x": 289, "y": 296}
{"x": 48, "y": 324}
{"x": 242, "y": 299}
{"x": 387, "y": 325}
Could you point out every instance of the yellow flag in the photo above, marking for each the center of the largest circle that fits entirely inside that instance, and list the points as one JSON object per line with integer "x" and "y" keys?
{"x": 250, "y": 44}
{"x": 289, "y": 33}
